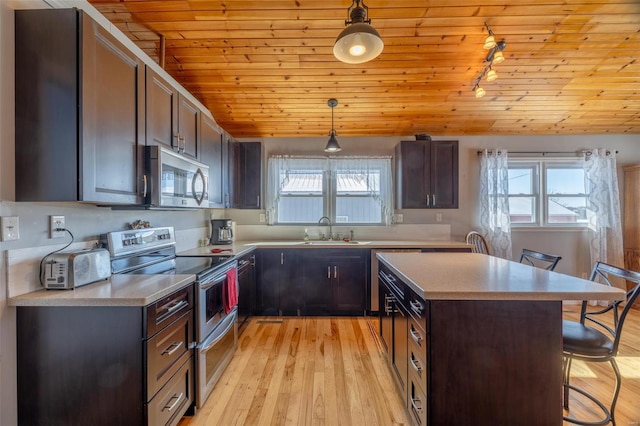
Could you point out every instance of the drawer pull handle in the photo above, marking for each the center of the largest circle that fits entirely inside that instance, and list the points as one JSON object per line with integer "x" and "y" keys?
{"x": 172, "y": 348}
{"x": 415, "y": 364}
{"x": 415, "y": 402}
{"x": 169, "y": 407}
{"x": 328, "y": 272}
{"x": 416, "y": 307}
{"x": 415, "y": 335}
{"x": 171, "y": 310}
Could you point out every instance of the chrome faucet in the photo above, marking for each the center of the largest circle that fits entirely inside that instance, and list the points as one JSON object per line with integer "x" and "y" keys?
{"x": 329, "y": 222}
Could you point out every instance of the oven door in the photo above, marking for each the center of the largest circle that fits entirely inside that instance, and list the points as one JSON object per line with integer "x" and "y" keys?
{"x": 211, "y": 292}
{"x": 214, "y": 354}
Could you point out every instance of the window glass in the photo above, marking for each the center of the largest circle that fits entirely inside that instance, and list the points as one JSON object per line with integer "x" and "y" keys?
{"x": 557, "y": 196}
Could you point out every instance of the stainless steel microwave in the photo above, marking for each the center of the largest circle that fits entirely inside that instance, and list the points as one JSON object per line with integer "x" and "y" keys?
{"x": 174, "y": 180}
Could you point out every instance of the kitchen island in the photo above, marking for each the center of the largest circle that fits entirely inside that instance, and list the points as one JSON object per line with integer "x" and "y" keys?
{"x": 475, "y": 339}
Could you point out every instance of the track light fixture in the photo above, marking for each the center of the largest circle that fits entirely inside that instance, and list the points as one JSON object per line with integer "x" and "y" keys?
{"x": 332, "y": 143}
{"x": 494, "y": 56}
{"x": 359, "y": 42}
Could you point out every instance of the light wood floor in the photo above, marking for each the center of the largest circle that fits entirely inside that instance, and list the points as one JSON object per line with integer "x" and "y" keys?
{"x": 331, "y": 371}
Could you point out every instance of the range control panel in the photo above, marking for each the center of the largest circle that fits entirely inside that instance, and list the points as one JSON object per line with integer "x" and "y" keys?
{"x": 136, "y": 240}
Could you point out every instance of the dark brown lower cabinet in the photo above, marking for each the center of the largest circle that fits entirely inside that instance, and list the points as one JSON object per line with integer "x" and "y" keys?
{"x": 334, "y": 281}
{"x": 477, "y": 362}
{"x": 97, "y": 365}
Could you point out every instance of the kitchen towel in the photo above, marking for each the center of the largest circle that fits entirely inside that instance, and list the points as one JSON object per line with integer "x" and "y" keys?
{"x": 230, "y": 298}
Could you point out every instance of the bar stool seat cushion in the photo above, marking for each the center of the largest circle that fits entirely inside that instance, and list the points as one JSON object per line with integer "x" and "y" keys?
{"x": 583, "y": 340}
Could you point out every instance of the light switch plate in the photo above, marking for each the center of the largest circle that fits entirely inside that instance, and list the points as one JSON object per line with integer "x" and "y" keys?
{"x": 10, "y": 228}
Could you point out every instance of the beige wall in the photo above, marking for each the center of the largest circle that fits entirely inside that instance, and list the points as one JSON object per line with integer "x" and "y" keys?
{"x": 87, "y": 221}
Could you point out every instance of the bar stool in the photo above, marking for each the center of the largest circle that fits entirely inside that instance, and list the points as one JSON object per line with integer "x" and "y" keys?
{"x": 539, "y": 259}
{"x": 595, "y": 341}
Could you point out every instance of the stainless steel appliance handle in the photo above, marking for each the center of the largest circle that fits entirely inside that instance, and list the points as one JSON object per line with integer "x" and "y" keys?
{"x": 172, "y": 406}
{"x": 216, "y": 280}
{"x": 174, "y": 347}
{"x": 204, "y": 186}
{"x": 231, "y": 318}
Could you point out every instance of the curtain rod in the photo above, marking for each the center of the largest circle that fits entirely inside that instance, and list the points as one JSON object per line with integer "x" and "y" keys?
{"x": 545, "y": 153}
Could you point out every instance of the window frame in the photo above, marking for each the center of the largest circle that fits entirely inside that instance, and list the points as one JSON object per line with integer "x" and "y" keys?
{"x": 541, "y": 197}
{"x": 329, "y": 201}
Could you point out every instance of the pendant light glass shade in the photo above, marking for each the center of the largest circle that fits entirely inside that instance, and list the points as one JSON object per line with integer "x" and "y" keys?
{"x": 498, "y": 57}
{"x": 489, "y": 42}
{"x": 332, "y": 143}
{"x": 358, "y": 43}
{"x": 480, "y": 92}
{"x": 492, "y": 75}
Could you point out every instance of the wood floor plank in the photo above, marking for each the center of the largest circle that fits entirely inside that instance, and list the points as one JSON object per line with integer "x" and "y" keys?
{"x": 332, "y": 371}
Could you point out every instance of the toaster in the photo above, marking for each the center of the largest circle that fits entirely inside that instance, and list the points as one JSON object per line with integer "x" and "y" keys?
{"x": 68, "y": 270}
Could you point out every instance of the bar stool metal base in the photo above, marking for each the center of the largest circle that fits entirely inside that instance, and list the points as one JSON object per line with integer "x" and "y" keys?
{"x": 607, "y": 416}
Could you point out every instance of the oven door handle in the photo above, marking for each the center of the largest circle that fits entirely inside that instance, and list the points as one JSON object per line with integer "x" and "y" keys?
{"x": 231, "y": 319}
{"x": 215, "y": 281}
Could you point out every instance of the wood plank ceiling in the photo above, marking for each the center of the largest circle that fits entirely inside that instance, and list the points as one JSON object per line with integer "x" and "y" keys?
{"x": 266, "y": 68}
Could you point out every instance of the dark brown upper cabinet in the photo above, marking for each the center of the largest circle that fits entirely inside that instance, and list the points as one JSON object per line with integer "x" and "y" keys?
{"x": 246, "y": 166}
{"x": 80, "y": 115}
{"x": 427, "y": 175}
{"x": 214, "y": 153}
{"x": 172, "y": 120}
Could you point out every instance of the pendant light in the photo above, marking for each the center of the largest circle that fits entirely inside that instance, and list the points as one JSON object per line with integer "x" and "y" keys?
{"x": 359, "y": 42}
{"x": 332, "y": 144}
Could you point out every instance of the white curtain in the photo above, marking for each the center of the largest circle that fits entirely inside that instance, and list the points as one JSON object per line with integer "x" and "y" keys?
{"x": 380, "y": 189}
{"x": 603, "y": 208}
{"x": 279, "y": 166}
{"x": 495, "y": 221}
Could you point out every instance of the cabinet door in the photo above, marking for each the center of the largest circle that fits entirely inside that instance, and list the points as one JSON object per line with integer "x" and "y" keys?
{"x": 268, "y": 282}
{"x": 290, "y": 283}
{"x": 112, "y": 118}
{"x": 247, "y": 172}
{"x": 444, "y": 174}
{"x": 211, "y": 154}
{"x": 162, "y": 104}
{"x": 188, "y": 124}
{"x": 349, "y": 283}
{"x": 246, "y": 287}
{"x": 317, "y": 279}
{"x": 411, "y": 175}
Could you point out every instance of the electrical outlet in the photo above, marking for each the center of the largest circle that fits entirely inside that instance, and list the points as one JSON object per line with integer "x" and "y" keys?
{"x": 263, "y": 218}
{"x": 438, "y": 217}
{"x": 10, "y": 228}
{"x": 57, "y": 227}
{"x": 398, "y": 218}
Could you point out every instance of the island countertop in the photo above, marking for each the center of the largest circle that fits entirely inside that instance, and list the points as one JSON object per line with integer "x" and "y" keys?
{"x": 474, "y": 276}
{"x": 118, "y": 290}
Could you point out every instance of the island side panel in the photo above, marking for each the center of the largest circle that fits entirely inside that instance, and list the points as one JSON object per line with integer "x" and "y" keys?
{"x": 495, "y": 363}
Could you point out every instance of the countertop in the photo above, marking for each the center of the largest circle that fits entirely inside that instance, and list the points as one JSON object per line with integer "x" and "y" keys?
{"x": 474, "y": 276}
{"x": 118, "y": 290}
{"x": 240, "y": 248}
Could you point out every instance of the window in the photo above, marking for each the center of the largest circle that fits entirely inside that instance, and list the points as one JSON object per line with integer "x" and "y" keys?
{"x": 351, "y": 190}
{"x": 547, "y": 193}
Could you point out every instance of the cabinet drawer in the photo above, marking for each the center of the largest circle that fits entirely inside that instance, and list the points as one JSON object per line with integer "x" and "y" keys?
{"x": 167, "y": 309}
{"x": 168, "y": 406}
{"x": 417, "y": 399}
{"x": 165, "y": 349}
{"x": 417, "y": 361}
{"x": 417, "y": 337}
{"x": 418, "y": 308}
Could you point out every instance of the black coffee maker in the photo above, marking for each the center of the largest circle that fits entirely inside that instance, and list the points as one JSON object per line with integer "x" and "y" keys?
{"x": 221, "y": 232}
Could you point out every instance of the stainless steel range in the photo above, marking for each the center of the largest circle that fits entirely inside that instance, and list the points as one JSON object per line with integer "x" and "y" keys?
{"x": 152, "y": 251}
